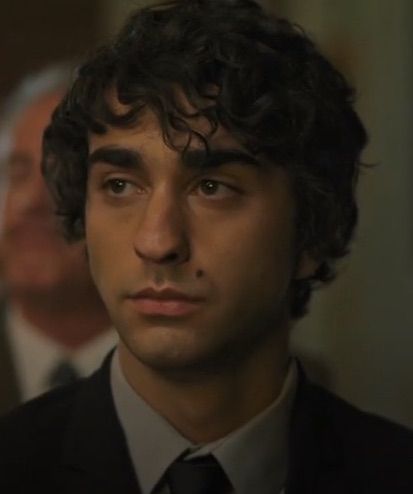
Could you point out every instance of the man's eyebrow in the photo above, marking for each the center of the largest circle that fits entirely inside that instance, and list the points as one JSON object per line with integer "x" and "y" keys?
{"x": 202, "y": 158}
{"x": 121, "y": 157}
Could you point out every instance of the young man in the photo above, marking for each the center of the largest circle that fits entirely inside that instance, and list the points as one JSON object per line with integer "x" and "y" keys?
{"x": 53, "y": 325}
{"x": 209, "y": 157}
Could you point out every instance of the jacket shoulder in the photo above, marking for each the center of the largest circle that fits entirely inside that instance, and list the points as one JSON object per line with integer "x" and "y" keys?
{"x": 379, "y": 452}
{"x": 364, "y": 428}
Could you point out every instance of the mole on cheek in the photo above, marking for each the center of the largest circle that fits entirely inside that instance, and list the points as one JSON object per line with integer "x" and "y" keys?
{"x": 199, "y": 273}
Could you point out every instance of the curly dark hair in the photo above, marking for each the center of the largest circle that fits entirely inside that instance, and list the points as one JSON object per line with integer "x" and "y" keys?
{"x": 275, "y": 93}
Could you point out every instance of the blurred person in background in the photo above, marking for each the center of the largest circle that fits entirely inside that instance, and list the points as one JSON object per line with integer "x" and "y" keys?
{"x": 54, "y": 327}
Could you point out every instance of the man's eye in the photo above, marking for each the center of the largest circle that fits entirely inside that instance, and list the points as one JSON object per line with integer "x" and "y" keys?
{"x": 213, "y": 188}
{"x": 119, "y": 187}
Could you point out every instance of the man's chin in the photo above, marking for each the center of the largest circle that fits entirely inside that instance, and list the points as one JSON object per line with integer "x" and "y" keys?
{"x": 180, "y": 361}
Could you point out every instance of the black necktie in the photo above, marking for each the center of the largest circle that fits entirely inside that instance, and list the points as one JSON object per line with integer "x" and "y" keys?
{"x": 201, "y": 475}
{"x": 63, "y": 373}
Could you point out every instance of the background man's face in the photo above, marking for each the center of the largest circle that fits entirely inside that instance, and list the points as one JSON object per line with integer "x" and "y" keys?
{"x": 221, "y": 236}
{"x": 36, "y": 257}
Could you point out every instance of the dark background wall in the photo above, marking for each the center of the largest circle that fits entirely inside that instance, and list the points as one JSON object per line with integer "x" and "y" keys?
{"x": 36, "y": 32}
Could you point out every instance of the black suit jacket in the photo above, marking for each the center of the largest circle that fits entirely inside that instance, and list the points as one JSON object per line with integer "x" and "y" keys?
{"x": 70, "y": 441}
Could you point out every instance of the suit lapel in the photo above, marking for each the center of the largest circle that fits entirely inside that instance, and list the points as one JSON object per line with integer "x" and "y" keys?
{"x": 95, "y": 457}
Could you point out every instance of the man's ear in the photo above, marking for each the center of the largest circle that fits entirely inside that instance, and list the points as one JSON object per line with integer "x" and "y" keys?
{"x": 306, "y": 266}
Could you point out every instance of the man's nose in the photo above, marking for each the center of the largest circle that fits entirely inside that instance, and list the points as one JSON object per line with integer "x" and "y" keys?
{"x": 162, "y": 236}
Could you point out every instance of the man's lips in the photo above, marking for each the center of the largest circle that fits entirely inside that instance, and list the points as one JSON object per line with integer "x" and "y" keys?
{"x": 166, "y": 302}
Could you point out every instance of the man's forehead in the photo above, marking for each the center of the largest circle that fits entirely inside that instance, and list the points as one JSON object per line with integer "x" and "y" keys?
{"x": 138, "y": 145}
{"x": 148, "y": 128}
{"x": 210, "y": 92}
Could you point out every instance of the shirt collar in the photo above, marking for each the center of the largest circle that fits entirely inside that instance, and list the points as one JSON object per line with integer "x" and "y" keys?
{"x": 254, "y": 457}
{"x": 152, "y": 442}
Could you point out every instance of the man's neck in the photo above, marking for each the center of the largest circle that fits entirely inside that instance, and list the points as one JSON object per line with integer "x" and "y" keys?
{"x": 69, "y": 322}
{"x": 211, "y": 406}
